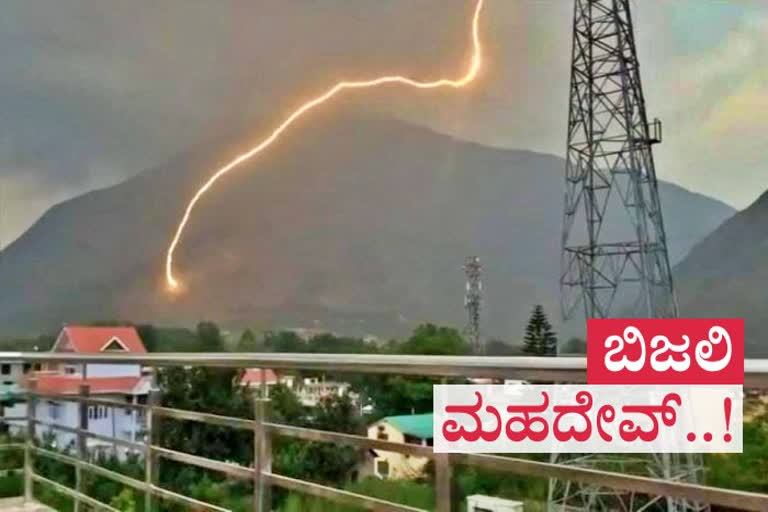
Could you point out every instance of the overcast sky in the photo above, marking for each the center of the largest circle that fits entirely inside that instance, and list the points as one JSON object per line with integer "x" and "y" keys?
{"x": 94, "y": 91}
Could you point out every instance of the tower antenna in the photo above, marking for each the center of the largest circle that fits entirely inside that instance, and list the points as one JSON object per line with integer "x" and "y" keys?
{"x": 614, "y": 248}
{"x": 473, "y": 300}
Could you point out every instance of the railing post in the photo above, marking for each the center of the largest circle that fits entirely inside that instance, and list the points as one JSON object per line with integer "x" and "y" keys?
{"x": 443, "y": 477}
{"x": 28, "y": 464}
{"x": 443, "y": 482}
{"x": 151, "y": 468}
{"x": 82, "y": 439}
{"x": 262, "y": 450}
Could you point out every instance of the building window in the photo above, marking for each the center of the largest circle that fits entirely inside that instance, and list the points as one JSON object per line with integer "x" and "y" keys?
{"x": 5, "y": 369}
{"x": 97, "y": 412}
{"x": 53, "y": 410}
{"x": 382, "y": 468}
{"x": 27, "y": 367}
{"x": 412, "y": 439}
{"x": 70, "y": 370}
{"x": 382, "y": 434}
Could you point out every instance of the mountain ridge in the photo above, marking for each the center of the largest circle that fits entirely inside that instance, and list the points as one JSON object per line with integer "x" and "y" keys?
{"x": 723, "y": 275}
{"x": 356, "y": 224}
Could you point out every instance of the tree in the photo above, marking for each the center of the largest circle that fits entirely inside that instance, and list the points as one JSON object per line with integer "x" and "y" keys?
{"x": 210, "y": 337}
{"x": 149, "y": 336}
{"x": 124, "y": 501}
{"x": 317, "y": 461}
{"x": 284, "y": 341}
{"x": 432, "y": 340}
{"x": 284, "y": 406}
{"x": 539, "y": 338}
{"x": 213, "y": 390}
{"x": 248, "y": 342}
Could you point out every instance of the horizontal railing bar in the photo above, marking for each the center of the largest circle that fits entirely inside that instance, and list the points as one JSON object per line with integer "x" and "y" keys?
{"x": 93, "y": 468}
{"x": 111, "y": 440}
{"x": 12, "y": 446}
{"x": 697, "y": 493}
{"x": 569, "y": 368}
{"x": 116, "y": 404}
{"x": 185, "y": 500}
{"x": 126, "y": 480}
{"x": 59, "y": 457}
{"x": 63, "y": 489}
{"x": 6, "y": 419}
{"x": 204, "y": 417}
{"x": 295, "y": 432}
{"x": 228, "y": 468}
{"x": 725, "y": 497}
{"x": 562, "y": 369}
{"x": 336, "y": 495}
{"x": 349, "y": 439}
{"x": 54, "y": 426}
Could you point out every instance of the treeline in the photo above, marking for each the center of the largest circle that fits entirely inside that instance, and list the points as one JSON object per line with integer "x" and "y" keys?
{"x": 538, "y": 339}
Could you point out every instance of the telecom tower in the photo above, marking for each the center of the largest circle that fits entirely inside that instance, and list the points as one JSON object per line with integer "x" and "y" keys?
{"x": 473, "y": 301}
{"x": 614, "y": 248}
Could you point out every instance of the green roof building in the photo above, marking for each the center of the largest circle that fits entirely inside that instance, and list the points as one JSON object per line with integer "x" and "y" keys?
{"x": 416, "y": 425}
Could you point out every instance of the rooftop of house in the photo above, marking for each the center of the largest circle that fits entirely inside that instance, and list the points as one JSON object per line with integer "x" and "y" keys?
{"x": 90, "y": 339}
{"x": 417, "y": 425}
{"x": 253, "y": 376}
{"x": 58, "y": 383}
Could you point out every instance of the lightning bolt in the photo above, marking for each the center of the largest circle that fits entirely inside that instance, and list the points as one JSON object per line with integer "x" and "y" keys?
{"x": 471, "y": 73}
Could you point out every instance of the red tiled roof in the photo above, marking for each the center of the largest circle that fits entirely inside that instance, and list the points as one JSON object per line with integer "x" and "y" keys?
{"x": 56, "y": 383}
{"x": 252, "y": 377}
{"x": 86, "y": 339}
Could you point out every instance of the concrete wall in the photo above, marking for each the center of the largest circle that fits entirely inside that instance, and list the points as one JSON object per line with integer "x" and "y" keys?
{"x": 401, "y": 466}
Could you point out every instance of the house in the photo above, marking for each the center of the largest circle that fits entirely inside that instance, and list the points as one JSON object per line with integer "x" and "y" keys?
{"x": 11, "y": 376}
{"x": 480, "y": 503}
{"x": 114, "y": 381}
{"x": 413, "y": 429}
{"x": 309, "y": 390}
{"x": 312, "y": 390}
{"x": 252, "y": 377}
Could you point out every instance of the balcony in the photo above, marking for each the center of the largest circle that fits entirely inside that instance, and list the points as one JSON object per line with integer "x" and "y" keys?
{"x": 260, "y": 475}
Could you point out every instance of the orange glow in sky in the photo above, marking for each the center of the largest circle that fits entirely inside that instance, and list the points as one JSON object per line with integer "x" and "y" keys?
{"x": 470, "y": 74}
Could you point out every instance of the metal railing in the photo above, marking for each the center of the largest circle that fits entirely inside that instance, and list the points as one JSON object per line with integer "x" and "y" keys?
{"x": 264, "y": 431}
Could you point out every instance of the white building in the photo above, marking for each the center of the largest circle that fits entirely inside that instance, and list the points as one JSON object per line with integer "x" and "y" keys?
{"x": 309, "y": 391}
{"x": 119, "y": 382}
{"x": 412, "y": 429}
{"x": 11, "y": 376}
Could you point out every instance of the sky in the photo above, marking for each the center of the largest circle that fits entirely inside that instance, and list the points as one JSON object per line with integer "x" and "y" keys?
{"x": 93, "y": 92}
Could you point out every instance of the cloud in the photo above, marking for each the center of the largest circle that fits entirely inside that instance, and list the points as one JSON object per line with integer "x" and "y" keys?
{"x": 720, "y": 113}
{"x": 92, "y": 92}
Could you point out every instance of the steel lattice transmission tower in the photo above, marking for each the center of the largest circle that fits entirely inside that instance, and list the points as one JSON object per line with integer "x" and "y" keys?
{"x": 610, "y": 163}
{"x": 473, "y": 300}
{"x": 614, "y": 246}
